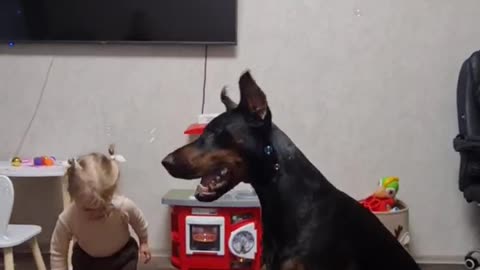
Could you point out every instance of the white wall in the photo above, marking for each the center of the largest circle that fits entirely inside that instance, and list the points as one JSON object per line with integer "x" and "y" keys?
{"x": 364, "y": 97}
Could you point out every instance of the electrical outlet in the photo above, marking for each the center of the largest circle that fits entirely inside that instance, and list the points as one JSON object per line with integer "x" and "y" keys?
{"x": 206, "y": 117}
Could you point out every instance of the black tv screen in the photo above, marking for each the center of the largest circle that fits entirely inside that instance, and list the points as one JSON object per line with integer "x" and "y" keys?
{"x": 156, "y": 21}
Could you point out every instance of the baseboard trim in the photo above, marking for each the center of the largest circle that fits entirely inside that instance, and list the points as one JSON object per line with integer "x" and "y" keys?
{"x": 443, "y": 260}
{"x": 161, "y": 262}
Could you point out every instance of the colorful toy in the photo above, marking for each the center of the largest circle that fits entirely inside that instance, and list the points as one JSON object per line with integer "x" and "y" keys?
{"x": 44, "y": 161}
{"x": 16, "y": 162}
{"x": 383, "y": 199}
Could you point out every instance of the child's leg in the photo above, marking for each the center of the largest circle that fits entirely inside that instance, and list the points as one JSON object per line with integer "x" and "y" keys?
{"x": 130, "y": 251}
{"x": 131, "y": 265}
{"x": 125, "y": 259}
{"x": 80, "y": 259}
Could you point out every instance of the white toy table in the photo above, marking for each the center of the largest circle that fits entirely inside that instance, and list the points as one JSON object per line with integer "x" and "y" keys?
{"x": 40, "y": 172}
{"x": 26, "y": 171}
{"x": 30, "y": 171}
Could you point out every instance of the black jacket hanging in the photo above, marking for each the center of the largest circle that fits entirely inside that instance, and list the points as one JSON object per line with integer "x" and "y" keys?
{"x": 467, "y": 142}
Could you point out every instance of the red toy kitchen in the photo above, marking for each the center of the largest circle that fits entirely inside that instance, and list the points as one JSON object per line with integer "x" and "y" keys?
{"x": 221, "y": 235}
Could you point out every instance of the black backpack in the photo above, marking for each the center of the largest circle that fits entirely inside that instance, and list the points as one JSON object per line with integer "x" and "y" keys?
{"x": 467, "y": 142}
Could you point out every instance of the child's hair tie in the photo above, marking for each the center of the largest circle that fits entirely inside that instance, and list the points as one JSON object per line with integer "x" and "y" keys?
{"x": 72, "y": 163}
{"x": 118, "y": 158}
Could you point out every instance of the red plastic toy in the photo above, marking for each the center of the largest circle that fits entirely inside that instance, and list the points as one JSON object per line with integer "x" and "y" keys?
{"x": 201, "y": 241}
{"x": 383, "y": 199}
{"x": 376, "y": 204}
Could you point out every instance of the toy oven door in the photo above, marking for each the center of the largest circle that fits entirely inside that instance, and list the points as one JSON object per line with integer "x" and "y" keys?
{"x": 205, "y": 235}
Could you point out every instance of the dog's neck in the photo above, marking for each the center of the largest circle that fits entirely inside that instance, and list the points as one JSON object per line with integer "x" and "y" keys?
{"x": 293, "y": 184}
{"x": 288, "y": 175}
{"x": 286, "y": 166}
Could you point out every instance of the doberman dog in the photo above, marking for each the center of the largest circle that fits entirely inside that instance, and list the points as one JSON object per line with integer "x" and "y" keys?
{"x": 308, "y": 223}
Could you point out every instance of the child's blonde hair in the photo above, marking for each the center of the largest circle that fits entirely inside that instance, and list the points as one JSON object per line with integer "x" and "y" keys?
{"x": 93, "y": 180}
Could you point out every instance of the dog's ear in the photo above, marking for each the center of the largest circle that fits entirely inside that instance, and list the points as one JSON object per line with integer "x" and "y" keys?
{"x": 252, "y": 98}
{"x": 226, "y": 100}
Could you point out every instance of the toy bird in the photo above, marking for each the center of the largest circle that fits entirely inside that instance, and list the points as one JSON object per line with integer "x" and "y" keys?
{"x": 383, "y": 199}
{"x": 387, "y": 188}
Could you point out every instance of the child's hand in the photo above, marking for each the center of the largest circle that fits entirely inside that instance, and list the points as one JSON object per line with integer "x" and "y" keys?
{"x": 145, "y": 254}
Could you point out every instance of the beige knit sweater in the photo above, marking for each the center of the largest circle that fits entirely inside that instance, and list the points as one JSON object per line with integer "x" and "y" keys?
{"x": 100, "y": 237}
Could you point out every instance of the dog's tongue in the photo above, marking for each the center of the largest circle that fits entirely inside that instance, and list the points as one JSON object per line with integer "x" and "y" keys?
{"x": 214, "y": 180}
{"x": 208, "y": 181}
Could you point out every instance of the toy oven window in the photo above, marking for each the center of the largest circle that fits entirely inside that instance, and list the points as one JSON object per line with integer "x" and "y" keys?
{"x": 205, "y": 235}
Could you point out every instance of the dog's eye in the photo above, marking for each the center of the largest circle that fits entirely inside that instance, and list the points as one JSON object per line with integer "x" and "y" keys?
{"x": 206, "y": 138}
{"x": 210, "y": 138}
{"x": 219, "y": 132}
{"x": 223, "y": 138}
{"x": 222, "y": 133}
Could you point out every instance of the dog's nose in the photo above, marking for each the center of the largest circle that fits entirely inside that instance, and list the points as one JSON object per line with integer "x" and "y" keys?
{"x": 168, "y": 162}
{"x": 177, "y": 166}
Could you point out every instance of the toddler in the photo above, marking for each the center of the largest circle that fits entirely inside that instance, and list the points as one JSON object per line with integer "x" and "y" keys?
{"x": 98, "y": 219}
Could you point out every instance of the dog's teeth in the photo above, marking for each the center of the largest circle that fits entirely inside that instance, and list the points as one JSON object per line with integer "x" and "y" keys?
{"x": 211, "y": 186}
{"x": 203, "y": 188}
{"x": 224, "y": 171}
{"x": 202, "y": 191}
{"x": 221, "y": 184}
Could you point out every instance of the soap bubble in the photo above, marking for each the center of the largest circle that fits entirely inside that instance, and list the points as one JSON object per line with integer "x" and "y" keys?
{"x": 357, "y": 12}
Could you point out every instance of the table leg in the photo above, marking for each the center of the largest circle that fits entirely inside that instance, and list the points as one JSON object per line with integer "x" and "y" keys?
{"x": 66, "y": 203}
{"x": 37, "y": 254}
{"x": 8, "y": 259}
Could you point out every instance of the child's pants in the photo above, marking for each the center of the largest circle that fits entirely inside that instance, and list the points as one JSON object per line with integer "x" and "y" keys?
{"x": 125, "y": 259}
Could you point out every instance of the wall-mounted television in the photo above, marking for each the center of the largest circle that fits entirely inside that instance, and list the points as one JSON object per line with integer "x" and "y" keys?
{"x": 119, "y": 21}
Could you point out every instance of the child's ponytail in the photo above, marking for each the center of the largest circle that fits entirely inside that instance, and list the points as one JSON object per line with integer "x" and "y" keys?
{"x": 93, "y": 179}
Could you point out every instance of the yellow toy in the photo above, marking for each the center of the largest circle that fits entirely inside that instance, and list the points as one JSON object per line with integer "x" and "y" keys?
{"x": 16, "y": 162}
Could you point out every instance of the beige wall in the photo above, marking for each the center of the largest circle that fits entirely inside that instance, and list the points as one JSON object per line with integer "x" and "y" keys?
{"x": 364, "y": 97}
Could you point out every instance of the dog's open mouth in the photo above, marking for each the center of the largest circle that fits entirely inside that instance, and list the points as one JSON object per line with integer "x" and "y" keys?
{"x": 214, "y": 185}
